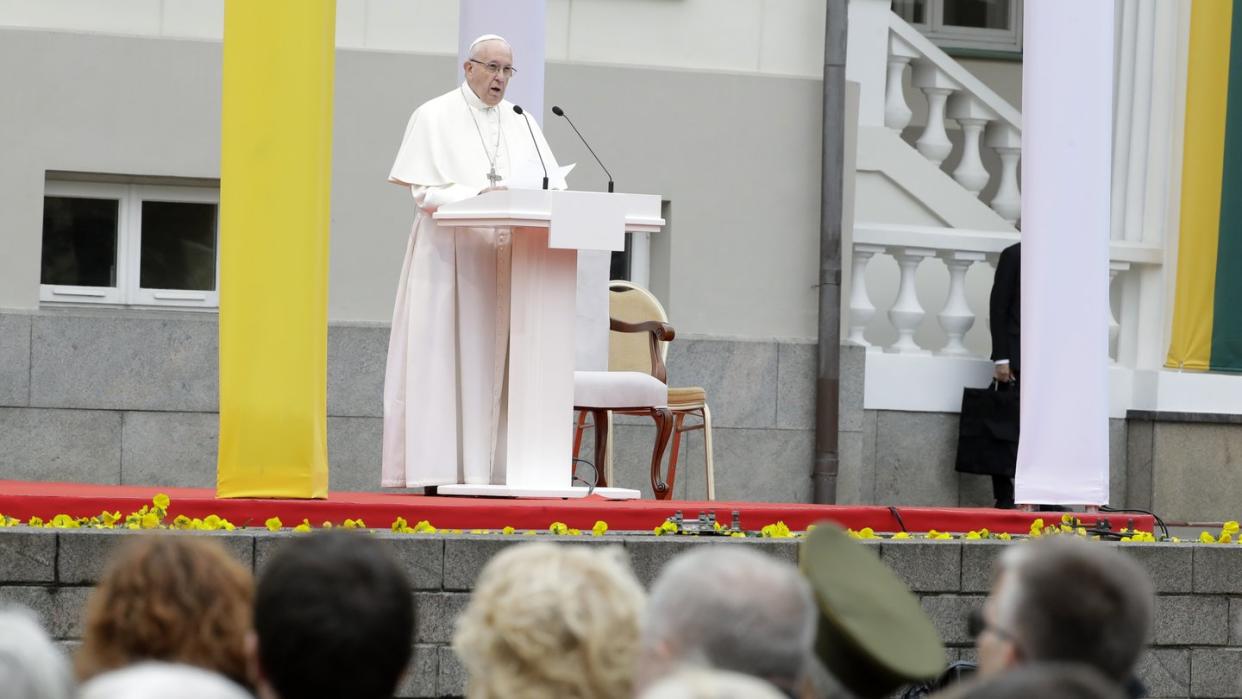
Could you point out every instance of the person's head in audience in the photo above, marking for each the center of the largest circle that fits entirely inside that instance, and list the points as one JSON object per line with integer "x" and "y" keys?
{"x": 161, "y": 681}
{"x": 1065, "y": 599}
{"x": 552, "y": 620}
{"x": 694, "y": 682}
{"x": 732, "y": 608}
{"x": 1040, "y": 681}
{"x": 174, "y": 597}
{"x": 31, "y": 666}
{"x": 333, "y": 618}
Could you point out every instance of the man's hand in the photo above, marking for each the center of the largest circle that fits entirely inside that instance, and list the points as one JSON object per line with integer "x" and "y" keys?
{"x": 1003, "y": 374}
{"x": 498, "y": 188}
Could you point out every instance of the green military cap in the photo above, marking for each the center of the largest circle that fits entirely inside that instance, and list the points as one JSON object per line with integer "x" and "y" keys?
{"x": 873, "y": 636}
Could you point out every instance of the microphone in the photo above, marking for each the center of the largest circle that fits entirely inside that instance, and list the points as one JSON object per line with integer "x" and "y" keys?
{"x": 561, "y": 113}
{"x": 522, "y": 113}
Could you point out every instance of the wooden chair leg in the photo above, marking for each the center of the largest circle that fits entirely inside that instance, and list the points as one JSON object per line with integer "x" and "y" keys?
{"x": 579, "y": 428}
{"x": 664, "y": 427}
{"x": 707, "y": 453}
{"x": 678, "y": 418}
{"x": 600, "y": 419}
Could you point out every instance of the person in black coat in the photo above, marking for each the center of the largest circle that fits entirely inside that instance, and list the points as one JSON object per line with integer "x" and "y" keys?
{"x": 1005, "y": 308}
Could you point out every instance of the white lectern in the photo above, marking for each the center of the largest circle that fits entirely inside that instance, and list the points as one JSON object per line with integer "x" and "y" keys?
{"x": 548, "y": 228}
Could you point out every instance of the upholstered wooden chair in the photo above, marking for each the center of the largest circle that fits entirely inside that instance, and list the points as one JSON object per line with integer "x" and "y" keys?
{"x": 644, "y": 352}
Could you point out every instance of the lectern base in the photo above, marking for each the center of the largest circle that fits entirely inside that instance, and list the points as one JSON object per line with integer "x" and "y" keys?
{"x": 509, "y": 491}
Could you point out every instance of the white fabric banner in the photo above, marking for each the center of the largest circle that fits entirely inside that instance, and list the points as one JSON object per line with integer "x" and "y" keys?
{"x": 1067, "y": 92}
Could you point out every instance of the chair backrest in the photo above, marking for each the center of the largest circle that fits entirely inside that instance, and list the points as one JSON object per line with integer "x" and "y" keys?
{"x": 633, "y": 304}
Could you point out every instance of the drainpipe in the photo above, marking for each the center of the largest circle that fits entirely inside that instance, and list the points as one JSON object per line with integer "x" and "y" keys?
{"x": 828, "y": 374}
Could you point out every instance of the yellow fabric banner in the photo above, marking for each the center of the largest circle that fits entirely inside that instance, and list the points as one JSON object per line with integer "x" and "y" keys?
{"x": 1207, "y": 92}
{"x": 275, "y": 183}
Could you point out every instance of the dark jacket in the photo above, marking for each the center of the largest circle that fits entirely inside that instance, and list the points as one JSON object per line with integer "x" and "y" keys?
{"x": 1005, "y": 307}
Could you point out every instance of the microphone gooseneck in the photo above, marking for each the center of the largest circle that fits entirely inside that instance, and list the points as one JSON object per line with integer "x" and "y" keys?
{"x": 561, "y": 113}
{"x": 522, "y": 113}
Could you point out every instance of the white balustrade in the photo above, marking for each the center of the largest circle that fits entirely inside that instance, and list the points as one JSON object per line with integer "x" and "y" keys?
{"x": 907, "y": 313}
{"x": 861, "y": 308}
{"x": 956, "y": 319}
{"x": 1007, "y": 142}
{"x": 934, "y": 144}
{"x": 1114, "y": 327}
{"x": 973, "y": 116}
{"x": 897, "y": 113}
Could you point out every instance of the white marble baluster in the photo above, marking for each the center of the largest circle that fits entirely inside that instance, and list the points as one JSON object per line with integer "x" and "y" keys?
{"x": 1007, "y": 142}
{"x": 861, "y": 308}
{"x": 956, "y": 319}
{"x": 1114, "y": 327}
{"x": 907, "y": 313}
{"x": 934, "y": 144}
{"x": 897, "y": 113}
{"x": 972, "y": 115}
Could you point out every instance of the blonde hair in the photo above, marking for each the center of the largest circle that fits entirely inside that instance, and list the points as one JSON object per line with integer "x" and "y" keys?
{"x": 552, "y": 620}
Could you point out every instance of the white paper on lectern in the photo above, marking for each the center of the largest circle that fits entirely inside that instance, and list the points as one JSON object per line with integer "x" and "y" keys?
{"x": 528, "y": 174}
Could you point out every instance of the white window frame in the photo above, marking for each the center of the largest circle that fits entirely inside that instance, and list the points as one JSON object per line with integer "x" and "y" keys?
{"x": 127, "y": 291}
{"x": 971, "y": 38}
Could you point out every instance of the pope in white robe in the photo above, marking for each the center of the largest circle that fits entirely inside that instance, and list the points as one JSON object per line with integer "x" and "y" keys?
{"x": 444, "y": 383}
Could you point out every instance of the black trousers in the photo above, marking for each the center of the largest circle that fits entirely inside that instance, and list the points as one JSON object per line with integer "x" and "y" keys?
{"x": 1002, "y": 486}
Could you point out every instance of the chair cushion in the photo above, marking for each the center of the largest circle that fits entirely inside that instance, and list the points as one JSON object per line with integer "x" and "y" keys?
{"x": 687, "y": 397}
{"x": 618, "y": 389}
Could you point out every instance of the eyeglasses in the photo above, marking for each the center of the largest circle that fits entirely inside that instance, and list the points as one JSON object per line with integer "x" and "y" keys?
{"x": 976, "y": 625}
{"x": 495, "y": 68}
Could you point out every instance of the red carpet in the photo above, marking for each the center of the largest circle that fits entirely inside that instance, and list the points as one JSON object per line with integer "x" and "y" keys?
{"x": 25, "y": 499}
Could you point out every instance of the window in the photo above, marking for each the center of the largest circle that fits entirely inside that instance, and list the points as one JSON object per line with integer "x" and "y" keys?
{"x": 989, "y": 25}
{"x": 130, "y": 244}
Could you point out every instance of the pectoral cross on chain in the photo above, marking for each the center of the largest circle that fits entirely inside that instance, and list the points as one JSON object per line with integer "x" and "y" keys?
{"x": 492, "y": 177}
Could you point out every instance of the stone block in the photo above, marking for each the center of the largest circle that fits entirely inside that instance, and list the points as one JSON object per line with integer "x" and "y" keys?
{"x": 850, "y": 478}
{"x": 853, "y": 370}
{"x": 914, "y": 459}
{"x": 355, "y": 453}
{"x": 1218, "y": 569}
{"x": 84, "y": 554}
{"x": 795, "y": 388}
{"x": 121, "y": 361}
{"x": 1197, "y": 474}
{"x": 649, "y": 555}
{"x": 268, "y": 544}
{"x": 421, "y": 675}
{"x": 1235, "y": 621}
{"x": 1165, "y": 672}
{"x": 451, "y": 681}
{"x": 1118, "y": 473}
{"x": 979, "y": 564}
{"x": 420, "y": 556}
{"x": 77, "y": 446}
{"x": 1184, "y": 620}
{"x": 925, "y": 566}
{"x": 753, "y": 465}
{"x": 1139, "y": 435}
{"x": 15, "y": 331}
{"x": 949, "y": 614}
{"x": 974, "y": 490}
{"x": 435, "y": 614}
{"x": 169, "y": 449}
{"x": 465, "y": 556}
{"x": 58, "y": 608}
{"x": 28, "y": 556}
{"x": 740, "y": 378}
{"x": 1215, "y": 672}
{"x": 357, "y": 354}
{"x": 1168, "y": 564}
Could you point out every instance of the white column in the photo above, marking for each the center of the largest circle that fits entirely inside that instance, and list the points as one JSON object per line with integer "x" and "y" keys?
{"x": 907, "y": 313}
{"x": 934, "y": 144}
{"x": 861, "y": 308}
{"x": 956, "y": 319}
{"x": 972, "y": 115}
{"x": 1007, "y": 143}
{"x": 1067, "y": 90}
{"x": 866, "y": 60}
{"x": 523, "y": 23}
{"x": 1114, "y": 327}
{"x": 897, "y": 113}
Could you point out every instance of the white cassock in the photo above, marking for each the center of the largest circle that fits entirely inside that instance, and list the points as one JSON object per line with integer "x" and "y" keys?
{"x": 444, "y": 413}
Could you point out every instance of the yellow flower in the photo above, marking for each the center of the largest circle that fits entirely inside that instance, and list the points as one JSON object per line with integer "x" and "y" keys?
{"x": 326, "y": 525}
{"x": 1004, "y": 536}
{"x": 933, "y": 534}
{"x": 529, "y": 532}
{"x": 1225, "y": 538}
{"x": 666, "y": 527}
{"x": 64, "y": 522}
{"x": 985, "y": 534}
{"x": 109, "y": 519}
{"x": 274, "y": 524}
{"x": 901, "y": 535}
{"x": 150, "y": 521}
{"x": 213, "y": 523}
{"x": 1037, "y": 527}
{"x": 973, "y": 535}
{"x": 779, "y": 530}
{"x": 161, "y": 501}
{"x": 181, "y": 522}
{"x": 424, "y": 527}
{"x": 1231, "y": 526}
{"x": 355, "y": 524}
{"x": 226, "y": 525}
{"x": 507, "y": 530}
{"x": 601, "y": 527}
{"x": 304, "y": 527}
{"x": 558, "y": 528}
{"x": 717, "y": 526}
{"x": 1205, "y": 538}
{"x": 1081, "y": 531}
{"x": 478, "y": 531}
{"x": 455, "y": 531}
{"x": 738, "y": 535}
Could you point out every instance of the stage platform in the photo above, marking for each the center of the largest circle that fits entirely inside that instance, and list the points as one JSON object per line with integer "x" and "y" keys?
{"x": 26, "y": 499}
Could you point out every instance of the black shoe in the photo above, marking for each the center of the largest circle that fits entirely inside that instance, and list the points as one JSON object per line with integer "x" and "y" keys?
{"x": 1006, "y": 505}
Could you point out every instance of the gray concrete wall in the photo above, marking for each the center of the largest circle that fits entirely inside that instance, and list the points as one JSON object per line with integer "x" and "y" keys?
{"x": 1195, "y": 645}
{"x": 736, "y": 155}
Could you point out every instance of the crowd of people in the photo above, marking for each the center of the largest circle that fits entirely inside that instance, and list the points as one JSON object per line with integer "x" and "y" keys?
{"x": 331, "y": 615}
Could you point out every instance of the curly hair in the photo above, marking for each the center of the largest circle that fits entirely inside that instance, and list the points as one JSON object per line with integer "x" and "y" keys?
{"x": 552, "y": 620}
{"x": 175, "y": 598}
